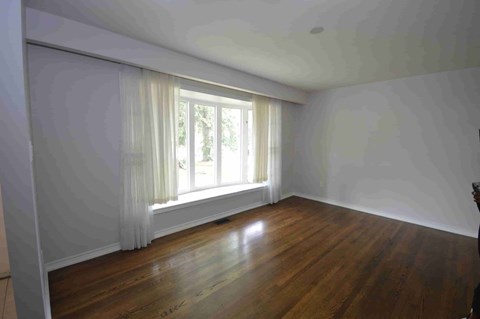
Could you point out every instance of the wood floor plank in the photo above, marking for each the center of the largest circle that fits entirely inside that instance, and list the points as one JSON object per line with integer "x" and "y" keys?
{"x": 295, "y": 259}
{"x": 387, "y": 281}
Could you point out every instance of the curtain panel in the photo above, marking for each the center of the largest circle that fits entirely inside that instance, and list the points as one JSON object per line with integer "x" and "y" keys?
{"x": 274, "y": 181}
{"x": 136, "y": 214}
{"x": 162, "y": 96}
{"x": 149, "y": 170}
{"x": 267, "y": 132}
{"x": 260, "y": 136}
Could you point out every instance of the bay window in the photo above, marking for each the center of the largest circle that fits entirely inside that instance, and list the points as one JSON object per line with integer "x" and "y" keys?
{"x": 214, "y": 141}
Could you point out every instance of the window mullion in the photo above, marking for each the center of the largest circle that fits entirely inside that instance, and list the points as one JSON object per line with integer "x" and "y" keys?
{"x": 191, "y": 145}
{"x": 244, "y": 145}
{"x": 218, "y": 145}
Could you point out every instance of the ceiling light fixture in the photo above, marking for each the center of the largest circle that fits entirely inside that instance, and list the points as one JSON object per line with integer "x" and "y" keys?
{"x": 317, "y": 30}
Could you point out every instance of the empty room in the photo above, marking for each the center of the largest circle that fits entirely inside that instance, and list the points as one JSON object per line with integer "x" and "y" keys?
{"x": 240, "y": 159}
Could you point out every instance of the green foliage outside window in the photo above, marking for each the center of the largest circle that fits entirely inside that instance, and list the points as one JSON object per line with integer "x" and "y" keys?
{"x": 204, "y": 124}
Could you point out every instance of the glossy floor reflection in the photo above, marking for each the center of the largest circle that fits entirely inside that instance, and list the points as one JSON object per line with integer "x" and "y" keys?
{"x": 296, "y": 259}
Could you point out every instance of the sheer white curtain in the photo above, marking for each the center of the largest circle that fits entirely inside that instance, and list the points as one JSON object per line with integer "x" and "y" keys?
{"x": 274, "y": 181}
{"x": 260, "y": 136}
{"x": 267, "y": 131}
{"x": 148, "y": 151}
{"x": 162, "y": 98}
{"x": 136, "y": 214}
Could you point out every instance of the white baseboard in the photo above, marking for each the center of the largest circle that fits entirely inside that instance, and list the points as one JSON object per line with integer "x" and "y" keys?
{"x": 72, "y": 260}
{"x": 287, "y": 195}
{"x": 445, "y": 228}
{"x": 68, "y": 261}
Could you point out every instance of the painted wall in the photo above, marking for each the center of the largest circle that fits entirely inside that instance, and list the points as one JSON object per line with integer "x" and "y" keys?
{"x": 406, "y": 148}
{"x": 16, "y": 171}
{"x": 173, "y": 219}
{"x": 76, "y": 142}
{"x": 290, "y": 113}
{"x": 76, "y": 130}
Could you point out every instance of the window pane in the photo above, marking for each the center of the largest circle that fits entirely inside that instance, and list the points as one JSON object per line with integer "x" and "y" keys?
{"x": 231, "y": 150}
{"x": 250, "y": 147}
{"x": 182, "y": 151}
{"x": 204, "y": 147}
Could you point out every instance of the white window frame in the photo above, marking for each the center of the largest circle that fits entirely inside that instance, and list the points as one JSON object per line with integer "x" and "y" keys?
{"x": 217, "y": 142}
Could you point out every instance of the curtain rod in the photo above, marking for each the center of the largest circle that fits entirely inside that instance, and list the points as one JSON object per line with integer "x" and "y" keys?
{"x": 76, "y": 52}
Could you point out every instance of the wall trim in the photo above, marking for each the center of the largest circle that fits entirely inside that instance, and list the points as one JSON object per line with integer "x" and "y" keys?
{"x": 75, "y": 259}
{"x": 287, "y": 195}
{"x": 68, "y": 261}
{"x": 449, "y": 229}
{"x": 94, "y": 253}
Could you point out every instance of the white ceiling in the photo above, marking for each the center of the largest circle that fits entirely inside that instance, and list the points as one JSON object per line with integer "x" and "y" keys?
{"x": 363, "y": 41}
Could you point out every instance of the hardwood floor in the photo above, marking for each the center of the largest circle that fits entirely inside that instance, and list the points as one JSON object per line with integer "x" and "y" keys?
{"x": 296, "y": 259}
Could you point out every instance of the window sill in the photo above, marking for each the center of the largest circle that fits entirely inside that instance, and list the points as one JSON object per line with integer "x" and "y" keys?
{"x": 204, "y": 196}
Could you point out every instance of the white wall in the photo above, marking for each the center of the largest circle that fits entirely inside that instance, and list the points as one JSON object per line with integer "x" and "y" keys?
{"x": 76, "y": 141}
{"x": 168, "y": 221}
{"x": 289, "y": 124}
{"x": 16, "y": 171}
{"x": 76, "y": 130}
{"x": 406, "y": 148}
